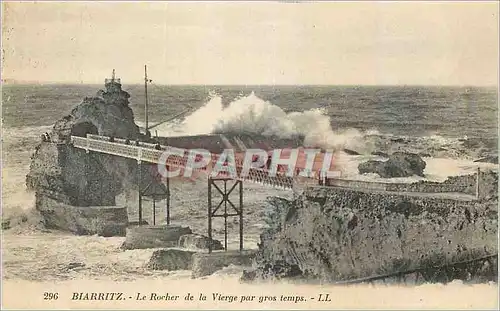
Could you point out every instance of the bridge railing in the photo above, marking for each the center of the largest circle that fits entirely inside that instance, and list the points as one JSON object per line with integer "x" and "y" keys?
{"x": 145, "y": 152}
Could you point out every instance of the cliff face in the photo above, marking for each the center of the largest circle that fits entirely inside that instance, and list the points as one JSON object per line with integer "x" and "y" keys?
{"x": 337, "y": 234}
{"x": 63, "y": 174}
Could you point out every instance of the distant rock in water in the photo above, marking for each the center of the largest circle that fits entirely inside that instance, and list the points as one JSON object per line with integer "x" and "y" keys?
{"x": 400, "y": 164}
{"x": 489, "y": 159}
{"x": 398, "y": 140}
{"x": 351, "y": 152}
{"x": 380, "y": 154}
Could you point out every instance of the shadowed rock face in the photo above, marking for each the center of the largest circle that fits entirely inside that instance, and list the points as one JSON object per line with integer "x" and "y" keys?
{"x": 400, "y": 164}
{"x": 71, "y": 176}
{"x": 339, "y": 234}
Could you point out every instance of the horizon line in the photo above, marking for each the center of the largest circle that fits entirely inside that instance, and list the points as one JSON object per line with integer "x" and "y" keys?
{"x": 11, "y": 83}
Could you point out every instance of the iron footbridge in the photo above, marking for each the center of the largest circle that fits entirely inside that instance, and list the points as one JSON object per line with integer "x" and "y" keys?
{"x": 154, "y": 154}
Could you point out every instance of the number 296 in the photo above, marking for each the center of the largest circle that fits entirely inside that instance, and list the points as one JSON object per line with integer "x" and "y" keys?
{"x": 50, "y": 296}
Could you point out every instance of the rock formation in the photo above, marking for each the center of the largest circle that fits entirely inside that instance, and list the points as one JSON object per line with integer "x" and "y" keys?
{"x": 62, "y": 175}
{"x": 400, "y": 164}
{"x": 489, "y": 159}
{"x": 338, "y": 234}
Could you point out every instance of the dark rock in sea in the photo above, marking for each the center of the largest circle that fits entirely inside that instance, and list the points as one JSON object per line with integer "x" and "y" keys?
{"x": 400, "y": 164}
{"x": 248, "y": 275}
{"x": 137, "y": 223}
{"x": 488, "y": 159}
{"x": 424, "y": 154}
{"x": 380, "y": 154}
{"x": 280, "y": 269}
{"x": 351, "y": 152}
{"x": 170, "y": 259}
{"x": 372, "y": 166}
{"x": 142, "y": 237}
{"x": 472, "y": 143}
{"x": 398, "y": 140}
{"x": 197, "y": 241}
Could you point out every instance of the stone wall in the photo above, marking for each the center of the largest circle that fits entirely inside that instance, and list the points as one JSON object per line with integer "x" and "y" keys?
{"x": 461, "y": 184}
{"x": 336, "y": 233}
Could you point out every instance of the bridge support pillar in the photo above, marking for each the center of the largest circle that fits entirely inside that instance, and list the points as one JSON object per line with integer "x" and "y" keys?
{"x": 139, "y": 181}
{"x": 167, "y": 203}
{"x": 225, "y": 202}
{"x": 147, "y": 191}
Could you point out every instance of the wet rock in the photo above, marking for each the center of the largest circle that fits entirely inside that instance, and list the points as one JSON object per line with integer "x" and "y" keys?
{"x": 170, "y": 259}
{"x": 351, "y": 152}
{"x": 137, "y": 223}
{"x": 141, "y": 237}
{"x": 104, "y": 221}
{"x": 67, "y": 175}
{"x": 489, "y": 159}
{"x": 75, "y": 265}
{"x": 380, "y": 154}
{"x": 197, "y": 241}
{"x": 248, "y": 275}
{"x": 398, "y": 140}
{"x": 280, "y": 269}
{"x": 343, "y": 234}
{"x": 400, "y": 164}
{"x": 206, "y": 264}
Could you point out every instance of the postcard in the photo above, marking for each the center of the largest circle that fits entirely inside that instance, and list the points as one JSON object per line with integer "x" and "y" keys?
{"x": 250, "y": 155}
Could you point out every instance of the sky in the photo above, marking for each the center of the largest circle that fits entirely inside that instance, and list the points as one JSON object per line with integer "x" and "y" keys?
{"x": 346, "y": 43}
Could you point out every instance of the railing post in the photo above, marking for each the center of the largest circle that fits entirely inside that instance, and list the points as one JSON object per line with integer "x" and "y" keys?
{"x": 87, "y": 144}
{"x": 139, "y": 154}
{"x": 241, "y": 214}
{"x": 477, "y": 182}
{"x": 168, "y": 197}
{"x": 139, "y": 179}
{"x": 225, "y": 215}
{"x": 154, "y": 210}
{"x": 209, "y": 214}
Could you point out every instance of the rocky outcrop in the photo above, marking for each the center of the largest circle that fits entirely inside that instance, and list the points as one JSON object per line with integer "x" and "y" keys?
{"x": 338, "y": 234}
{"x": 197, "y": 241}
{"x": 489, "y": 159}
{"x": 206, "y": 264}
{"x": 400, "y": 164}
{"x": 73, "y": 177}
{"x": 88, "y": 220}
{"x": 170, "y": 259}
{"x": 147, "y": 236}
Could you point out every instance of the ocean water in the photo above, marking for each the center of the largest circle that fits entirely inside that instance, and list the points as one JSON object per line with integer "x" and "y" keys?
{"x": 399, "y": 110}
{"x": 350, "y": 117}
{"x": 435, "y": 118}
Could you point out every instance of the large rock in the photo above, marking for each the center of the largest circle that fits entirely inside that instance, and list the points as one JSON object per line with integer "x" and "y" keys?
{"x": 73, "y": 177}
{"x": 197, "y": 241}
{"x": 337, "y": 234}
{"x": 400, "y": 164}
{"x": 147, "y": 236}
{"x": 171, "y": 259}
{"x": 488, "y": 159}
{"x": 206, "y": 264}
{"x": 89, "y": 220}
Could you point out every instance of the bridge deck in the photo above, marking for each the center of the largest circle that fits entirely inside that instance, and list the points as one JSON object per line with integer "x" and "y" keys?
{"x": 151, "y": 153}
{"x": 145, "y": 152}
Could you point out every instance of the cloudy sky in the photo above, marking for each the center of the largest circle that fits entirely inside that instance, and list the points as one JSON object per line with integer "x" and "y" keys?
{"x": 253, "y": 43}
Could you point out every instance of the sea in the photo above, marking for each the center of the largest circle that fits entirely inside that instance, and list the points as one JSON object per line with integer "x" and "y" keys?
{"x": 440, "y": 118}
